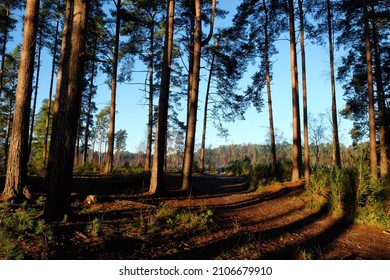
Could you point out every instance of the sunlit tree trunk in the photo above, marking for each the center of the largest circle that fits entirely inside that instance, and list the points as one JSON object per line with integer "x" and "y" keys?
{"x": 297, "y": 149}
{"x": 156, "y": 179}
{"x": 148, "y": 156}
{"x": 111, "y": 132}
{"x": 193, "y": 94}
{"x": 269, "y": 95}
{"x": 304, "y": 94}
{"x": 16, "y": 175}
{"x": 66, "y": 112}
{"x": 335, "y": 129}
{"x": 371, "y": 101}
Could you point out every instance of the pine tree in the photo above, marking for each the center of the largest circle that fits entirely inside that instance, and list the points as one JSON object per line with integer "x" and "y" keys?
{"x": 16, "y": 176}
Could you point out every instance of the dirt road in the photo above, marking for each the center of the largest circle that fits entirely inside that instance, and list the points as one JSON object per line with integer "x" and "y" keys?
{"x": 275, "y": 224}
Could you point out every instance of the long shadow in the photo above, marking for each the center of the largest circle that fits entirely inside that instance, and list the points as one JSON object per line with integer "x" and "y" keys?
{"x": 260, "y": 198}
{"x": 250, "y": 223}
{"x": 204, "y": 186}
{"x": 213, "y": 249}
{"x": 315, "y": 244}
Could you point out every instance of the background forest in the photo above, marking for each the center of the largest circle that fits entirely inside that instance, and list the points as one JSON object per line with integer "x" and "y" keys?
{"x": 179, "y": 44}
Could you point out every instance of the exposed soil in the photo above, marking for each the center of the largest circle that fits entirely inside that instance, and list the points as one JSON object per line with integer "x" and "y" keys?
{"x": 274, "y": 224}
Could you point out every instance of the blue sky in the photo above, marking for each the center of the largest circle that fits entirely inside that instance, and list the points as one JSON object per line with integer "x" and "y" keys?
{"x": 132, "y": 111}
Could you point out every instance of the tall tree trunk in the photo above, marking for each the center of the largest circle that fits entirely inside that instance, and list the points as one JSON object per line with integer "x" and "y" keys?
{"x": 66, "y": 111}
{"x": 89, "y": 109}
{"x": 49, "y": 101}
{"x": 4, "y": 48}
{"x": 371, "y": 101}
{"x": 304, "y": 94}
{"x": 156, "y": 179}
{"x": 269, "y": 95}
{"x": 381, "y": 100}
{"x": 297, "y": 148}
{"x": 193, "y": 94}
{"x": 149, "y": 140}
{"x": 16, "y": 175}
{"x": 206, "y": 106}
{"x": 111, "y": 132}
{"x": 335, "y": 129}
{"x": 35, "y": 94}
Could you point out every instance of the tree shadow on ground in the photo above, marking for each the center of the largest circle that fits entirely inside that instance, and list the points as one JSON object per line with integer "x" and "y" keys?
{"x": 217, "y": 248}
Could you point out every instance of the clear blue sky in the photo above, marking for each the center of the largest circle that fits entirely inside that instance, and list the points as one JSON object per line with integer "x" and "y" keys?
{"x": 132, "y": 111}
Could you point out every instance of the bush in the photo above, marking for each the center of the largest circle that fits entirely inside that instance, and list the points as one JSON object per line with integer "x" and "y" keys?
{"x": 239, "y": 167}
{"x": 88, "y": 168}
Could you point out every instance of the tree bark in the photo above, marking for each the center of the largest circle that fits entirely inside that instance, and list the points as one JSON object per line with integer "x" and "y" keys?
{"x": 156, "y": 179}
{"x": 148, "y": 157}
{"x": 304, "y": 95}
{"x": 66, "y": 112}
{"x": 371, "y": 101}
{"x": 16, "y": 175}
{"x": 193, "y": 94}
{"x": 269, "y": 95}
{"x": 206, "y": 104}
{"x": 111, "y": 132}
{"x": 297, "y": 149}
{"x": 381, "y": 101}
{"x": 335, "y": 129}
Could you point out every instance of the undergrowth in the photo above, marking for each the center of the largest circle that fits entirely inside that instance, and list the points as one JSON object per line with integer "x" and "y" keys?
{"x": 20, "y": 230}
{"x": 173, "y": 222}
{"x": 353, "y": 194}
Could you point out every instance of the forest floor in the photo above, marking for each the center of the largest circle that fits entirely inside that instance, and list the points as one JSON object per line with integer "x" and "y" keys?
{"x": 219, "y": 218}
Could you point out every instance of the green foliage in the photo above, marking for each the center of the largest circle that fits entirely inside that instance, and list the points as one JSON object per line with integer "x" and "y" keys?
{"x": 239, "y": 167}
{"x": 172, "y": 221}
{"x": 353, "y": 193}
{"x": 337, "y": 185}
{"x": 261, "y": 173}
{"x": 88, "y": 168}
{"x": 94, "y": 228}
{"x": 19, "y": 227}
